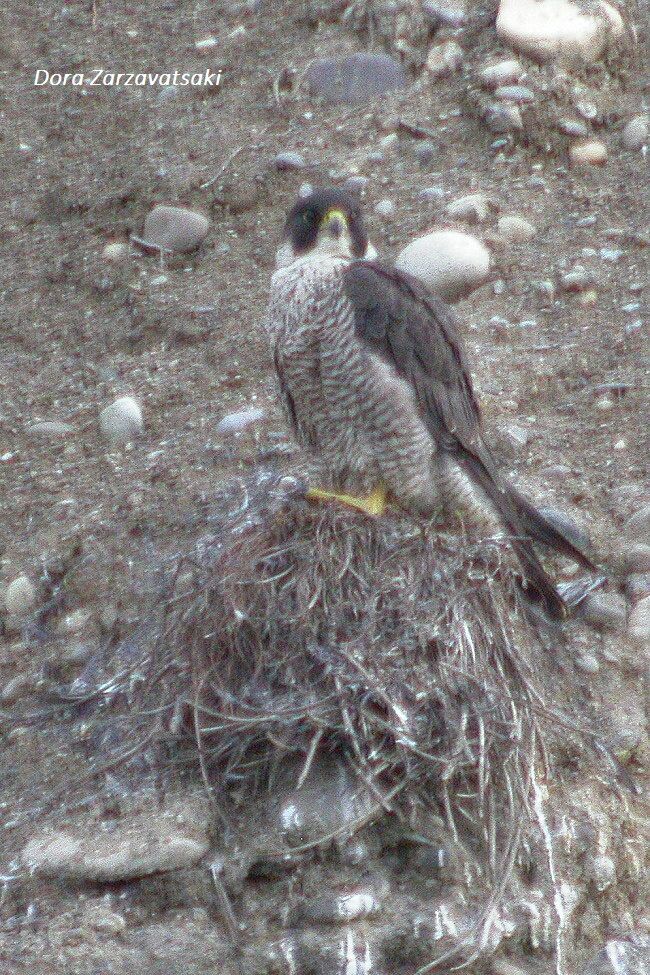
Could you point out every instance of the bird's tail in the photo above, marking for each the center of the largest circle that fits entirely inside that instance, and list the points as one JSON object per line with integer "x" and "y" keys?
{"x": 524, "y": 524}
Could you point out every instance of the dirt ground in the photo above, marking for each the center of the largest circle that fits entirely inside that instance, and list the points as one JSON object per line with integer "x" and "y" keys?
{"x": 81, "y": 167}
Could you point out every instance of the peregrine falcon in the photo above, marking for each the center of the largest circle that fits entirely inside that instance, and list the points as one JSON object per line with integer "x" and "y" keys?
{"x": 375, "y": 382}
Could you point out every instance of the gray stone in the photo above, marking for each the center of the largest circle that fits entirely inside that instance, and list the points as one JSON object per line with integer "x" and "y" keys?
{"x": 516, "y": 229}
{"x": 472, "y": 208}
{"x": 573, "y": 127}
{"x": 501, "y": 73}
{"x": 48, "y": 428}
{"x": 450, "y": 13}
{"x": 236, "y": 422}
{"x": 385, "y": 208}
{"x": 577, "y": 280}
{"x": 20, "y": 596}
{"x": 588, "y": 663}
{"x": 515, "y": 93}
{"x": 450, "y": 263}
{"x": 590, "y": 152}
{"x": 141, "y": 846}
{"x": 357, "y": 77}
{"x": 425, "y": 151}
{"x": 432, "y": 193}
{"x": 356, "y": 184}
{"x": 635, "y": 134}
{"x": 603, "y": 871}
{"x": 289, "y": 160}
{"x": 175, "y": 228}
{"x": 122, "y": 420}
{"x": 637, "y": 527}
{"x": 504, "y": 118}
{"x": 444, "y": 59}
{"x": 337, "y": 908}
{"x": 515, "y": 437}
{"x": 548, "y": 29}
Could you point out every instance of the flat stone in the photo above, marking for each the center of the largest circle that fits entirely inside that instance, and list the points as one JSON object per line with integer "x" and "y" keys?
{"x": 444, "y": 59}
{"x": 573, "y": 127}
{"x": 635, "y": 134}
{"x": 473, "y": 208}
{"x": 285, "y": 161}
{"x": 515, "y": 93}
{"x": 48, "y": 428}
{"x": 577, "y": 280}
{"x": 136, "y": 848}
{"x": 502, "y": 73}
{"x": 122, "y": 420}
{"x": 20, "y": 596}
{"x": 550, "y": 29}
{"x": 236, "y": 422}
{"x": 175, "y": 228}
{"x": 590, "y": 152}
{"x": 516, "y": 229}
{"x": 639, "y": 624}
{"x": 515, "y": 437}
{"x": 355, "y": 78}
{"x": 450, "y": 263}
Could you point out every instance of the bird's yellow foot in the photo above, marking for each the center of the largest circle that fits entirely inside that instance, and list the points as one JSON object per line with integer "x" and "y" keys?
{"x": 374, "y": 504}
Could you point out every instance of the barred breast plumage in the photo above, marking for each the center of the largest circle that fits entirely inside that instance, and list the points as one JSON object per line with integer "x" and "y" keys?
{"x": 347, "y": 406}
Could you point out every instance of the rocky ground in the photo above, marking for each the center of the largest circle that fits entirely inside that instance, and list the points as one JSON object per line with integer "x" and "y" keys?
{"x": 556, "y": 328}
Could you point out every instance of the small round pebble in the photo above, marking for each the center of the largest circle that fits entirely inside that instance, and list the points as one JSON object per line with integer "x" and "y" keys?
{"x": 603, "y": 871}
{"x": 472, "y": 208}
{"x": 504, "y": 118}
{"x": 285, "y": 161}
{"x": 122, "y": 420}
{"x": 444, "y": 59}
{"x": 236, "y": 422}
{"x": 385, "y": 208}
{"x": 588, "y": 663}
{"x": 501, "y": 73}
{"x": 20, "y": 596}
{"x": 175, "y": 228}
{"x": 115, "y": 252}
{"x": 516, "y": 229}
{"x": 635, "y": 134}
{"x": 591, "y": 152}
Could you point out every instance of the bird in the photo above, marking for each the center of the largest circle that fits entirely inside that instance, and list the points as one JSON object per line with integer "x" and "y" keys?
{"x": 374, "y": 379}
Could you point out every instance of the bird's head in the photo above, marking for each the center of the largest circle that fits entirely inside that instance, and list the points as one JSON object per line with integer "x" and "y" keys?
{"x": 324, "y": 222}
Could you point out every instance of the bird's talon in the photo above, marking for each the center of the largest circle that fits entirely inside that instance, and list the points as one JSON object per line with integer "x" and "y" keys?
{"x": 374, "y": 504}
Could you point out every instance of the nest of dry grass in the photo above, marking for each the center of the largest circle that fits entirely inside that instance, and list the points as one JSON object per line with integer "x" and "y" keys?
{"x": 296, "y": 631}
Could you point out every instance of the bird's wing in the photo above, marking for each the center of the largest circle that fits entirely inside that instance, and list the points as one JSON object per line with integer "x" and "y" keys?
{"x": 415, "y": 332}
